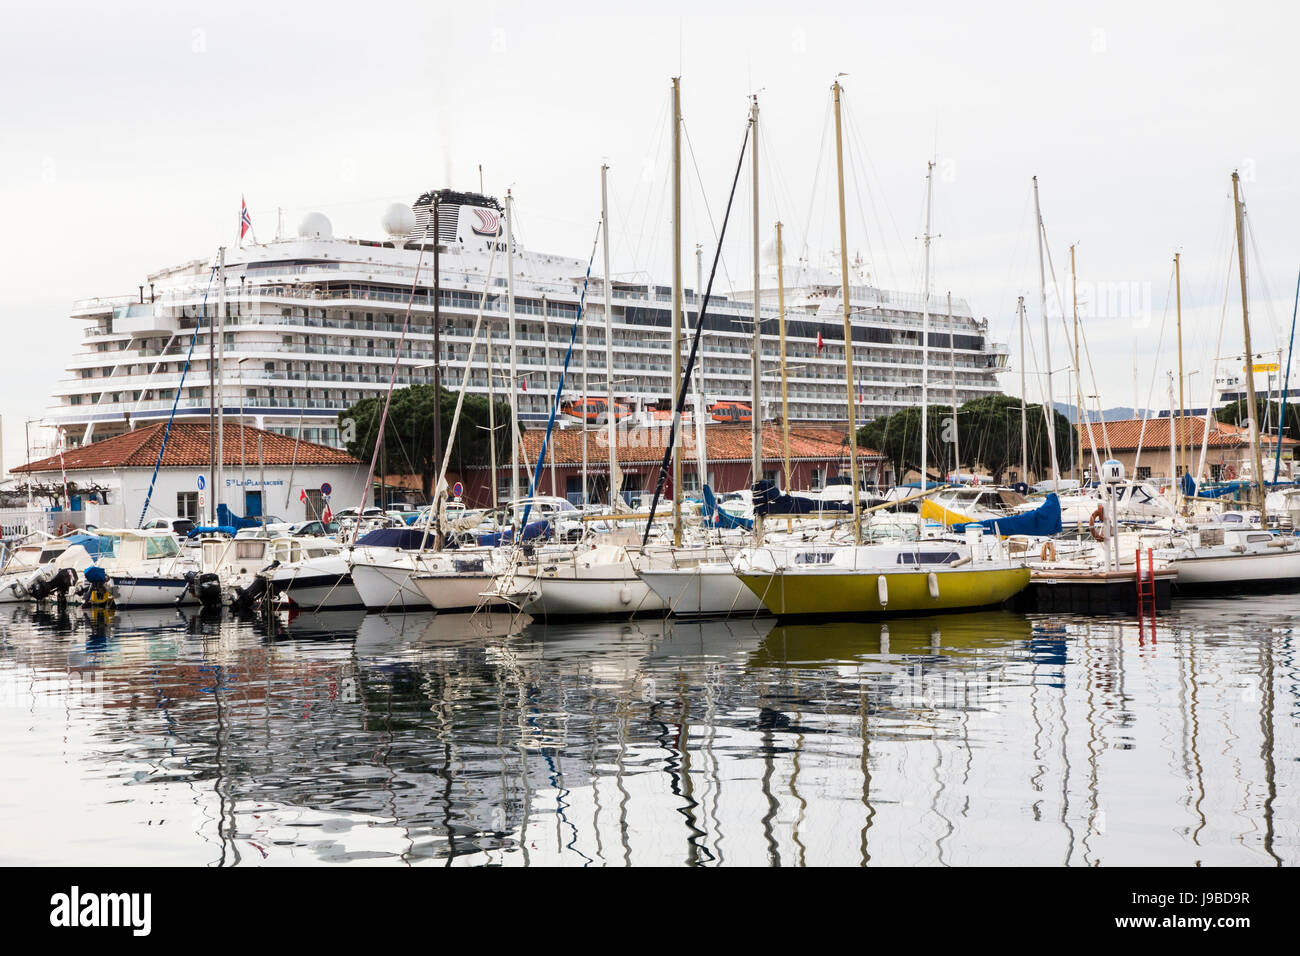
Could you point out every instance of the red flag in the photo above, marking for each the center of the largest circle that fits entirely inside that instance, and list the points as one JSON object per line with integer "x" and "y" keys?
{"x": 820, "y": 344}
{"x": 302, "y": 496}
{"x": 525, "y": 381}
{"x": 245, "y": 220}
{"x": 327, "y": 516}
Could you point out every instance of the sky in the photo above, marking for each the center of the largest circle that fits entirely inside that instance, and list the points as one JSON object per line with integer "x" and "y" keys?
{"x": 129, "y": 134}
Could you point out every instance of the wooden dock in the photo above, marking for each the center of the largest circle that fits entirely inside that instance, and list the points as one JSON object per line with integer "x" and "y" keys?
{"x": 1090, "y": 590}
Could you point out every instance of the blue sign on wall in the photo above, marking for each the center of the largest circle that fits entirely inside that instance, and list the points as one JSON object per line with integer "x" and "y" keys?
{"x": 202, "y": 483}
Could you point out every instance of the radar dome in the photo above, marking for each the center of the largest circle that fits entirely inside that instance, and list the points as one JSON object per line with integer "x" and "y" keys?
{"x": 398, "y": 221}
{"x": 315, "y": 225}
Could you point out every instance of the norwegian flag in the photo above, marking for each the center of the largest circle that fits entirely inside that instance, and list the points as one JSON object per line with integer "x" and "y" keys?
{"x": 820, "y": 344}
{"x": 245, "y": 220}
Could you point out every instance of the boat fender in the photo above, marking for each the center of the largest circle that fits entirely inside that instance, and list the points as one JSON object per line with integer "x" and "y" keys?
{"x": 1048, "y": 552}
{"x": 1098, "y": 534}
{"x": 932, "y": 582}
{"x": 882, "y": 590}
{"x": 66, "y": 527}
{"x": 625, "y": 594}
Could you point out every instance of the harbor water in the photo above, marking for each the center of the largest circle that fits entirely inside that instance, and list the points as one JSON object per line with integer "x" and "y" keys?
{"x": 175, "y": 737}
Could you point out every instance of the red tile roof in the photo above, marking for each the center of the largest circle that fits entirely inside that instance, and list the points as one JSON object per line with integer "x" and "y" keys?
{"x": 1126, "y": 434}
{"x": 724, "y": 443}
{"x": 187, "y": 446}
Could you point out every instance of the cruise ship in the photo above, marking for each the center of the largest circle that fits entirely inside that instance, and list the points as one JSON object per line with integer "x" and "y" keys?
{"x": 313, "y": 321}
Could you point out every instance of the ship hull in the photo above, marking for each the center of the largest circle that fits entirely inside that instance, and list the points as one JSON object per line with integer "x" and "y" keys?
{"x": 815, "y": 593}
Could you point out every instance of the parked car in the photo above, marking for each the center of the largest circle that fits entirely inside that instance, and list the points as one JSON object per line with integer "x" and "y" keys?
{"x": 177, "y": 526}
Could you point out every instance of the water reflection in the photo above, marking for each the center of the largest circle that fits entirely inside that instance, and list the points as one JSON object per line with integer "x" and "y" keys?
{"x": 991, "y": 738}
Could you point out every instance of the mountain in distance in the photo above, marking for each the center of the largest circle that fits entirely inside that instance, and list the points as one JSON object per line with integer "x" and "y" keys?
{"x": 1116, "y": 413}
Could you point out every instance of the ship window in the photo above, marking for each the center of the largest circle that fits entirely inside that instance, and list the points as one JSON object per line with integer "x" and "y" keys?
{"x": 161, "y": 547}
{"x": 814, "y": 557}
{"x": 928, "y": 557}
{"x": 249, "y": 550}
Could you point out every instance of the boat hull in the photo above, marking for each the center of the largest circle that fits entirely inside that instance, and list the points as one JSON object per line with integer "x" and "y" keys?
{"x": 702, "y": 591}
{"x": 317, "y": 592}
{"x": 1278, "y": 571}
{"x": 820, "y": 592}
{"x": 140, "y": 591}
{"x": 457, "y": 591}
{"x": 610, "y": 596}
{"x": 387, "y": 584}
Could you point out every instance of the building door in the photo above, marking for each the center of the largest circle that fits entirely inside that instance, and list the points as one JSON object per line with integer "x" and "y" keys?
{"x": 252, "y": 504}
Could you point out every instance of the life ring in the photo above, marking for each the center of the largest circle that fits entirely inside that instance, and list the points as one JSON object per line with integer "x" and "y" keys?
{"x": 1098, "y": 515}
{"x": 1048, "y": 552}
{"x": 66, "y": 527}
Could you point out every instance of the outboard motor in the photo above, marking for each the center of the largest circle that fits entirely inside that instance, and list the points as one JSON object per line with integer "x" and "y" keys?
{"x": 205, "y": 586}
{"x": 50, "y": 581}
{"x": 97, "y": 591}
{"x": 247, "y": 597}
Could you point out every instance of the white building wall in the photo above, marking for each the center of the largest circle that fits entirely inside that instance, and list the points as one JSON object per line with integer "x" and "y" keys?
{"x": 128, "y": 487}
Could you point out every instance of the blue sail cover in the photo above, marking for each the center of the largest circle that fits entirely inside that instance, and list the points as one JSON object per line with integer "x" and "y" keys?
{"x": 535, "y": 529}
{"x": 88, "y": 541}
{"x": 1043, "y": 521}
{"x": 228, "y": 519}
{"x": 715, "y": 517}
{"x": 408, "y": 539}
{"x": 1187, "y": 485}
{"x": 769, "y": 501}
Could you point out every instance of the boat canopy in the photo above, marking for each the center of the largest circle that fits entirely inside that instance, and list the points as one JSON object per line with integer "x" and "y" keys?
{"x": 717, "y": 518}
{"x": 769, "y": 501}
{"x": 1043, "y": 521}
{"x": 408, "y": 539}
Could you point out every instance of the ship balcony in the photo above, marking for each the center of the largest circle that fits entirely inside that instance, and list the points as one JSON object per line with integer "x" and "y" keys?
{"x": 144, "y": 318}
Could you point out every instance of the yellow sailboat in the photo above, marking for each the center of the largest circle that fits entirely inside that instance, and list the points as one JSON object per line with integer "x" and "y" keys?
{"x": 901, "y": 578}
{"x": 922, "y": 576}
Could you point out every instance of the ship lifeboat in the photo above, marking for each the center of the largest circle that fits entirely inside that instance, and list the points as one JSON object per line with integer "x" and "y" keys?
{"x": 593, "y": 410}
{"x": 731, "y": 413}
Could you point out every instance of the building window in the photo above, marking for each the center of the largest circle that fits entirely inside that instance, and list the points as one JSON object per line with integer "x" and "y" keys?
{"x": 315, "y": 504}
{"x": 1143, "y": 473}
{"x": 818, "y": 479}
{"x": 187, "y": 505}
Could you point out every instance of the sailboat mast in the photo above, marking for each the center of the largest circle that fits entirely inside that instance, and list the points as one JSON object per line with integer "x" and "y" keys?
{"x": 925, "y": 341}
{"x": 785, "y": 406}
{"x": 1178, "y": 299}
{"x": 610, "y": 417}
{"x": 1250, "y": 355}
{"x": 756, "y": 367}
{"x": 701, "y": 449}
{"x": 514, "y": 351}
{"x": 218, "y": 394}
{"x": 848, "y": 327}
{"x": 1076, "y": 440}
{"x": 952, "y": 362}
{"x": 1024, "y": 418}
{"x": 677, "y": 302}
{"x": 585, "y": 429}
{"x": 492, "y": 420}
{"x": 1049, "y": 410}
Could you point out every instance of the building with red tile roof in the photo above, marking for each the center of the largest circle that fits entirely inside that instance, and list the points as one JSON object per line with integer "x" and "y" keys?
{"x": 818, "y": 453}
{"x": 264, "y": 472}
{"x": 1227, "y": 445}
{"x": 188, "y": 446}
